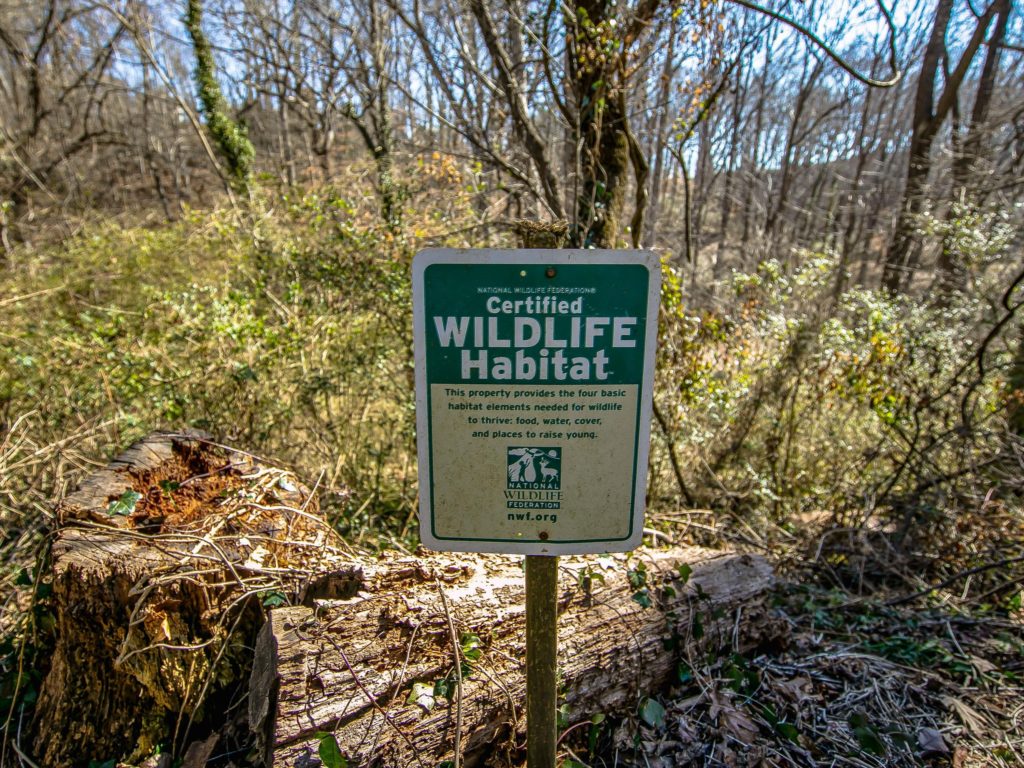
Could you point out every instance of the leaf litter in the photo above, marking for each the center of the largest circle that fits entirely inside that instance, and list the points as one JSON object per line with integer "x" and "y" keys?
{"x": 862, "y": 687}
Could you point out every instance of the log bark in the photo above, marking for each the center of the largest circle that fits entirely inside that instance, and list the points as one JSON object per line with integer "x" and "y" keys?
{"x": 158, "y": 602}
{"x": 348, "y": 667}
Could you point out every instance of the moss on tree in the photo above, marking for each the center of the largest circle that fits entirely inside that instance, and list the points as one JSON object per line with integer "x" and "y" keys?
{"x": 230, "y": 136}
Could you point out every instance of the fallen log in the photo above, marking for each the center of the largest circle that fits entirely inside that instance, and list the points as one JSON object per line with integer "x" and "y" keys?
{"x": 165, "y": 564}
{"x": 375, "y": 670}
{"x": 160, "y": 568}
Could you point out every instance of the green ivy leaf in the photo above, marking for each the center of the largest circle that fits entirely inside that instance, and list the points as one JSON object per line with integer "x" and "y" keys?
{"x": 470, "y": 646}
{"x": 869, "y": 741}
{"x": 642, "y": 597}
{"x": 788, "y": 731}
{"x": 444, "y": 688}
{"x": 652, "y": 713}
{"x": 125, "y": 505}
{"x": 866, "y": 736}
{"x": 422, "y": 695}
{"x": 684, "y": 572}
{"x": 330, "y": 752}
{"x": 274, "y": 598}
{"x": 637, "y": 576}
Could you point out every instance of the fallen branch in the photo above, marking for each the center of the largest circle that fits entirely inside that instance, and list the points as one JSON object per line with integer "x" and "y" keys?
{"x": 624, "y": 625}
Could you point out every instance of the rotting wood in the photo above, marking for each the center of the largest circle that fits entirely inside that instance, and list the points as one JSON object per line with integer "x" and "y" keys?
{"x": 347, "y": 667}
{"x": 157, "y": 609}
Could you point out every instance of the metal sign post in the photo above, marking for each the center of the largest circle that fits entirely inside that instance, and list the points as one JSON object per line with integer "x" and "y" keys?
{"x": 534, "y": 379}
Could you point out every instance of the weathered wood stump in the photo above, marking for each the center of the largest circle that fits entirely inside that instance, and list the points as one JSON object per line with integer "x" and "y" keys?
{"x": 160, "y": 568}
{"x": 366, "y": 668}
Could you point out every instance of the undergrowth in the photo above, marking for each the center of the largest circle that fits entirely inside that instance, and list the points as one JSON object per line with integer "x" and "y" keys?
{"x": 868, "y": 438}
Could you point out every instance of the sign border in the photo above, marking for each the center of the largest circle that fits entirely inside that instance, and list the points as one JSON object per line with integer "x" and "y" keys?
{"x": 641, "y": 451}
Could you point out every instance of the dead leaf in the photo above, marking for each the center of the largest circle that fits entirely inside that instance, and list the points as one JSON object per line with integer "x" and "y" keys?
{"x": 973, "y": 720}
{"x": 931, "y": 743}
{"x": 983, "y": 666}
{"x": 732, "y": 719}
{"x": 686, "y": 731}
{"x": 687, "y": 704}
{"x": 198, "y": 753}
{"x": 422, "y": 695}
{"x": 727, "y": 756}
{"x": 795, "y": 688}
{"x": 256, "y": 558}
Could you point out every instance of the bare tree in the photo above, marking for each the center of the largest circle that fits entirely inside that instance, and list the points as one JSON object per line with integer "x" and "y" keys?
{"x": 930, "y": 112}
{"x": 56, "y": 59}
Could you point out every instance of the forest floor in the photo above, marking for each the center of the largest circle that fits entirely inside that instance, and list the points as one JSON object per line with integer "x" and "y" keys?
{"x": 856, "y": 683}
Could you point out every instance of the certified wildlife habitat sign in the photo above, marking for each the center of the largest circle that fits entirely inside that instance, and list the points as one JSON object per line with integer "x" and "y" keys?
{"x": 534, "y": 376}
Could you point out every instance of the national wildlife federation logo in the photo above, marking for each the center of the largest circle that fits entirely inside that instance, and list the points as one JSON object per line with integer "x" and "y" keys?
{"x": 534, "y": 469}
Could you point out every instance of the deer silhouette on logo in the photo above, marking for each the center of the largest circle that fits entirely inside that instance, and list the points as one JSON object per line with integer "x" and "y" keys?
{"x": 548, "y": 473}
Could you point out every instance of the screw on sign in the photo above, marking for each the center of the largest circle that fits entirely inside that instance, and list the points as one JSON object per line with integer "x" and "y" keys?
{"x": 534, "y": 379}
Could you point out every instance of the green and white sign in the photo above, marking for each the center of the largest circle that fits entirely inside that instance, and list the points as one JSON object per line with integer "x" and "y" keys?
{"x": 534, "y": 376}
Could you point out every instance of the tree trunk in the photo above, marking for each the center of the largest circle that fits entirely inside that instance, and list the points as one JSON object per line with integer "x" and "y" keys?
{"x": 785, "y": 173}
{"x": 950, "y": 273}
{"x": 158, "y": 574}
{"x": 605, "y": 167}
{"x": 753, "y": 173}
{"x": 735, "y": 146}
{"x": 608, "y": 146}
{"x": 929, "y": 114}
{"x": 853, "y": 201}
{"x": 390, "y": 194}
{"x": 371, "y": 670}
{"x": 661, "y": 134}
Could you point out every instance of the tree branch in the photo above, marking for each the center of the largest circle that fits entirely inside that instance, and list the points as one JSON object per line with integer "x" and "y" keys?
{"x": 897, "y": 75}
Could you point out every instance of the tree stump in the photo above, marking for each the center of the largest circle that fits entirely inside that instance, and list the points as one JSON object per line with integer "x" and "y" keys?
{"x": 371, "y": 669}
{"x": 161, "y": 568}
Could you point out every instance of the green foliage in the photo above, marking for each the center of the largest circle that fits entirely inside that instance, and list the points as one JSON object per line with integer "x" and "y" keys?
{"x": 469, "y": 647}
{"x": 291, "y": 337}
{"x": 273, "y": 598}
{"x": 638, "y": 581}
{"x": 265, "y": 344}
{"x": 797, "y": 404}
{"x": 866, "y": 734}
{"x": 422, "y": 694}
{"x": 125, "y": 505}
{"x": 330, "y": 752}
{"x": 652, "y": 713}
{"x": 684, "y": 573}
